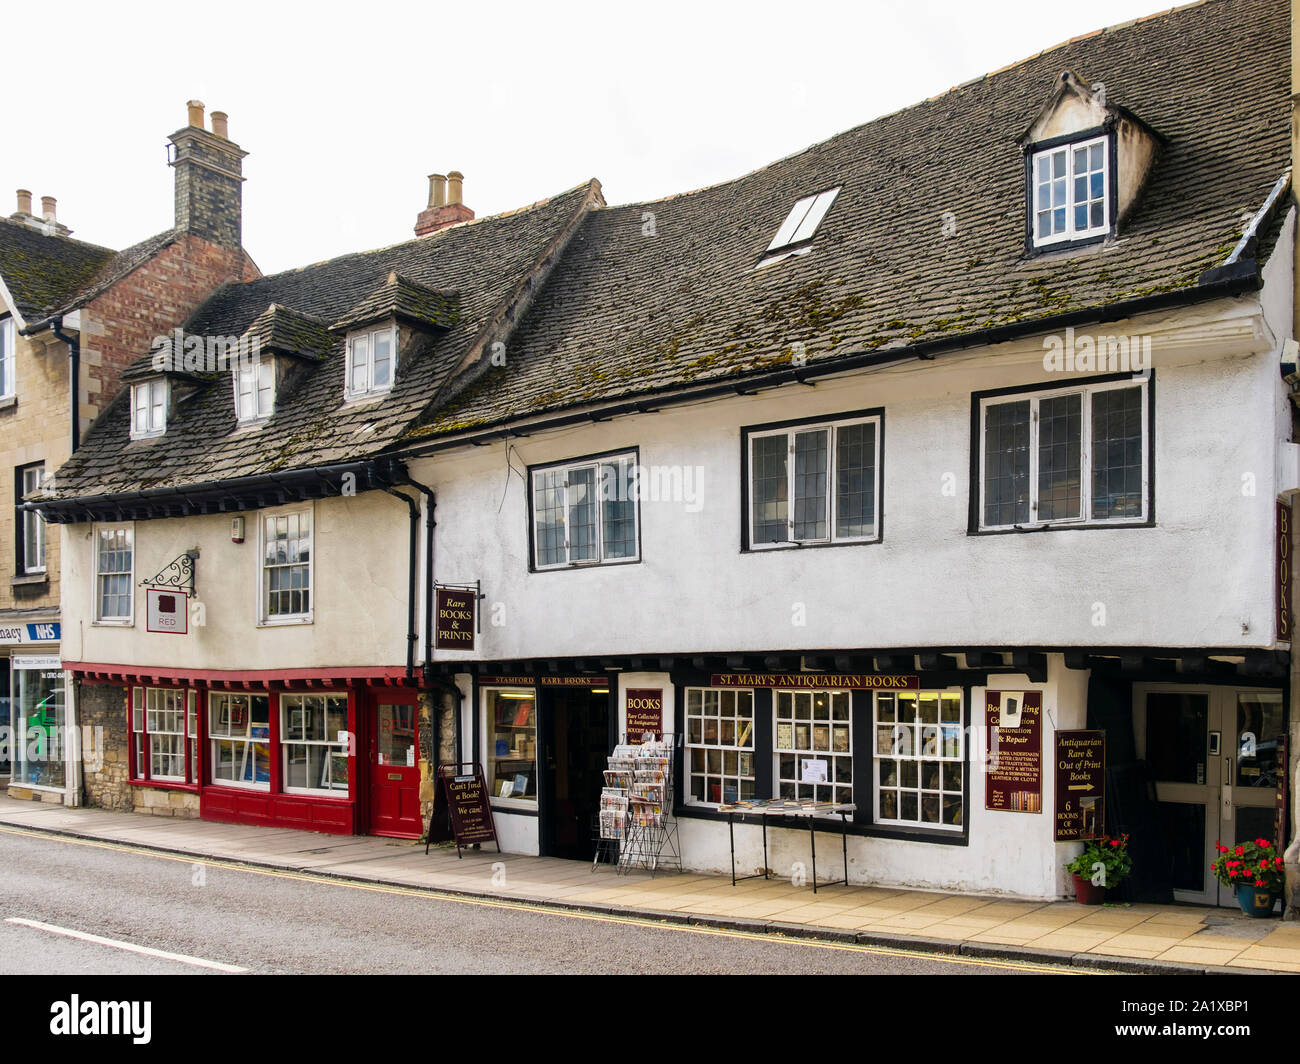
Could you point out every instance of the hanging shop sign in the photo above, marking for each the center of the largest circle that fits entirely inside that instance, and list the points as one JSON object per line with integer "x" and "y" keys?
{"x": 1080, "y": 785}
{"x": 1283, "y": 571}
{"x": 645, "y": 711}
{"x": 24, "y": 634}
{"x": 455, "y": 608}
{"x": 546, "y": 681}
{"x": 819, "y": 680}
{"x": 465, "y": 791}
{"x": 167, "y": 612}
{"x": 1013, "y": 777}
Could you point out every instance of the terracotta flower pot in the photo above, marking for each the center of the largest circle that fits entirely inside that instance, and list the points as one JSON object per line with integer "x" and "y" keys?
{"x": 1087, "y": 894}
{"x": 1255, "y": 901}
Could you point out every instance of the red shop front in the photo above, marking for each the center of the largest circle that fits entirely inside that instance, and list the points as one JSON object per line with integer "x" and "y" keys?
{"x": 324, "y": 750}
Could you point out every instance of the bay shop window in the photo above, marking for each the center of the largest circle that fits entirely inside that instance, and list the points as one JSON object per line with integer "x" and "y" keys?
{"x": 905, "y": 770}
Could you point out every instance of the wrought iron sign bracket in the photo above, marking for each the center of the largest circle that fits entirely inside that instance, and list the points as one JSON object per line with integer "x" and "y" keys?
{"x": 478, "y": 598}
{"x": 178, "y": 573}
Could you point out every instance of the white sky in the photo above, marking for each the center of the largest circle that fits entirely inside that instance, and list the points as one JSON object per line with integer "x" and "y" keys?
{"x": 346, "y": 108}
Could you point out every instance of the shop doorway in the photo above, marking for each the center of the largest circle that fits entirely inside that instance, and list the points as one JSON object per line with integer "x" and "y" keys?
{"x": 574, "y": 745}
{"x": 394, "y": 767}
{"x": 1213, "y": 754}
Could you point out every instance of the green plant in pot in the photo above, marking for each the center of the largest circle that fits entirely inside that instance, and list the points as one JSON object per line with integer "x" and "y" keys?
{"x": 1254, "y": 871}
{"x": 1104, "y": 863}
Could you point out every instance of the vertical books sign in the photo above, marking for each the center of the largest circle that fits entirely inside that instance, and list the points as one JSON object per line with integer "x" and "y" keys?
{"x": 1283, "y": 572}
{"x": 1013, "y": 781}
{"x": 455, "y": 619}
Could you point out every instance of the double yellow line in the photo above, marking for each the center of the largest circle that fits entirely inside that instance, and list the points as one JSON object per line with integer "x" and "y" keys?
{"x": 432, "y": 893}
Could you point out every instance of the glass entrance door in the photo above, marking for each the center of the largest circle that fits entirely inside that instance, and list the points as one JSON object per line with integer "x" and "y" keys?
{"x": 1213, "y": 754}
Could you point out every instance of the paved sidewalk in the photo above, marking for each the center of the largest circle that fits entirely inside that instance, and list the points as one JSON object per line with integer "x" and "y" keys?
{"x": 1174, "y": 938}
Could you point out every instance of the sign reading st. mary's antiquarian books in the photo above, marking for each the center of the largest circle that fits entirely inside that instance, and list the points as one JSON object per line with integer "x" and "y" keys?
{"x": 455, "y": 619}
{"x": 1013, "y": 779}
{"x": 1283, "y": 570}
{"x": 1080, "y": 785}
{"x": 853, "y": 681}
{"x": 466, "y": 793}
{"x": 645, "y": 712}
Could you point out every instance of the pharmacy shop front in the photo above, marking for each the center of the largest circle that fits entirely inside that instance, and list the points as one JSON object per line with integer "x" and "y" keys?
{"x": 39, "y": 747}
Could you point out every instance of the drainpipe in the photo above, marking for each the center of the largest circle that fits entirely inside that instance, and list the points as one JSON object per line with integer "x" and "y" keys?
{"x": 411, "y": 636}
{"x": 74, "y": 373}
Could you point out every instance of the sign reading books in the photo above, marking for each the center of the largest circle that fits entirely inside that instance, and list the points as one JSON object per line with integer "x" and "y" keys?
{"x": 167, "y": 611}
{"x": 454, "y": 623}
{"x": 468, "y": 807}
{"x": 645, "y": 711}
{"x": 1080, "y": 785}
{"x": 1283, "y": 587}
{"x": 1013, "y": 779}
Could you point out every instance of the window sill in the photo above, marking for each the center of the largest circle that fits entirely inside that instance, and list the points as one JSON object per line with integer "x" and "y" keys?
{"x": 784, "y": 546}
{"x": 284, "y": 622}
{"x": 1085, "y": 527}
{"x": 30, "y": 580}
{"x": 570, "y": 567}
{"x": 124, "y": 623}
{"x": 235, "y": 788}
{"x": 8, "y": 402}
{"x": 324, "y": 796}
{"x": 166, "y": 785}
{"x": 833, "y": 823}
{"x": 505, "y": 805}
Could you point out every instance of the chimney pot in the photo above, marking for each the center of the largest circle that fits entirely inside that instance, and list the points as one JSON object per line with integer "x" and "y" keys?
{"x": 437, "y": 190}
{"x": 219, "y": 120}
{"x": 195, "y": 108}
{"x": 455, "y": 186}
{"x": 48, "y": 204}
{"x": 24, "y": 201}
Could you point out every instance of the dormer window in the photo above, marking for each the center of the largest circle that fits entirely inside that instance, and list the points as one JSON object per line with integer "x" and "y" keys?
{"x": 372, "y": 362}
{"x": 149, "y": 408}
{"x": 801, "y": 223}
{"x": 254, "y": 390}
{"x": 1070, "y": 188}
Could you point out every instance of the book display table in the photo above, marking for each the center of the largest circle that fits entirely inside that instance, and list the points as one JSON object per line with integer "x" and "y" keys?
{"x": 765, "y": 810}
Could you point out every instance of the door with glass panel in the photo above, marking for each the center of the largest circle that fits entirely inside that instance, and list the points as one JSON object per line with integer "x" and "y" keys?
{"x": 395, "y": 767}
{"x": 1213, "y": 753}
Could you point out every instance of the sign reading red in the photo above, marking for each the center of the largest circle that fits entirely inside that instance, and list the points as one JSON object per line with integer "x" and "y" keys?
{"x": 455, "y": 619}
{"x": 645, "y": 712}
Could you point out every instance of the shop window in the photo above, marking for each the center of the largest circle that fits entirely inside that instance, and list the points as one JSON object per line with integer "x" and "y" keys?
{"x": 30, "y": 541}
{"x": 512, "y": 742}
{"x": 586, "y": 513}
{"x": 38, "y": 722}
{"x": 1064, "y": 456}
{"x": 239, "y": 727}
{"x": 813, "y": 484}
{"x": 114, "y": 570}
{"x": 720, "y": 745}
{"x": 814, "y": 745}
{"x": 286, "y": 567}
{"x": 164, "y": 734}
{"x": 919, "y": 759}
{"x": 313, "y": 743}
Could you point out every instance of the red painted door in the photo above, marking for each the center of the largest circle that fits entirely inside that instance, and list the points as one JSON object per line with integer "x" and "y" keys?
{"x": 394, "y": 768}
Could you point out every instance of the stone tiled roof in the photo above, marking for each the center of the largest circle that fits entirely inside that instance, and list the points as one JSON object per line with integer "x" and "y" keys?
{"x": 487, "y": 263}
{"x": 42, "y": 271}
{"x": 926, "y": 239}
{"x": 405, "y": 300}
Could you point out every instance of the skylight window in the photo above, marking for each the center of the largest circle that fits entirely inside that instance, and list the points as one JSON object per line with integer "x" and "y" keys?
{"x": 803, "y": 220}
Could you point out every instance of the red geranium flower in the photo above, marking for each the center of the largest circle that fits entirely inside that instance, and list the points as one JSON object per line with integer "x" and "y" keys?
{"x": 1263, "y": 842}
{"x": 1240, "y": 851}
{"x": 1232, "y": 871}
{"x": 1114, "y": 842}
{"x": 1259, "y": 883}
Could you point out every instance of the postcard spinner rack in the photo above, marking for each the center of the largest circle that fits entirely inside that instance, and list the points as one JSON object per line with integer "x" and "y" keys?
{"x": 636, "y": 805}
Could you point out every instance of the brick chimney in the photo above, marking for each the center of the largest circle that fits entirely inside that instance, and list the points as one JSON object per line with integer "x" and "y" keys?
{"x": 445, "y": 207}
{"x": 208, "y": 179}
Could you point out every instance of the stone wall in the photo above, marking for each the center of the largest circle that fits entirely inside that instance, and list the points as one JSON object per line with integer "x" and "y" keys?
{"x": 101, "y": 712}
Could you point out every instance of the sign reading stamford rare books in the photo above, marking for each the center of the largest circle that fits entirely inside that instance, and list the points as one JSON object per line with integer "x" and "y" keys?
{"x": 455, "y": 619}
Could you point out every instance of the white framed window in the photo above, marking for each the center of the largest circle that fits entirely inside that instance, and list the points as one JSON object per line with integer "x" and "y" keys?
{"x": 586, "y": 513}
{"x": 371, "y": 362}
{"x": 1070, "y": 189}
{"x": 920, "y": 759}
{"x": 254, "y": 390}
{"x": 8, "y": 354}
{"x": 315, "y": 757}
{"x": 719, "y": 745}
{"x": 114, "y": 575}
{"x": 149, "y": 408}
{"x": 286, "y": 570}
{"x": 829, "y": 471}
{"x": 164, "y": 734}
{"x": 31, "y": 559}
{"x": 239, "y": 729}
{"x": 813, "y": 750}
{"x": 1067, "y": 456}
{"x": 802, "y": 221}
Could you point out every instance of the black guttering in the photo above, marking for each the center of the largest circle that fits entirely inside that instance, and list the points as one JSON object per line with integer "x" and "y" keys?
{"x": 74, "y": 378}
{"x": 228, "y": 496}
{"x": 1229, "y": 280}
